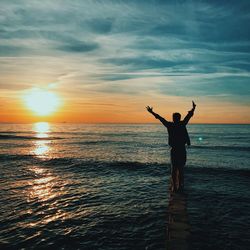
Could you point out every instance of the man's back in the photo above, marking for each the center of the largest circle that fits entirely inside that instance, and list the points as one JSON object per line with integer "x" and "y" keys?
{"x": 177, "y": 134}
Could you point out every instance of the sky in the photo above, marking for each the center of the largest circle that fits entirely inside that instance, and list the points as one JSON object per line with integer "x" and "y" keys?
{"x": 107, "y": 60}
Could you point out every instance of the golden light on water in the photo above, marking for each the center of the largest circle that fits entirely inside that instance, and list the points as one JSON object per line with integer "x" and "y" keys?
{"x": 41, "y": 147}
{"x": 42, "y": 188}
{"x": 45, "y": 186}
{"x": 41, "y": 129}
{"x": 41, "y": 102}
{"x": 42, "y": 184}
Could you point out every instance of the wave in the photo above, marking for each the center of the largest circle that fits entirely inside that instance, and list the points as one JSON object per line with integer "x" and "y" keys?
{"x": 92, "y": 142}
{"x": 106, "y": 167}
{"x": 132, "y": 143}
{"x": 246, "y": 137}
{"x": 234, "y": 148}
{"x": 12, "y": 132}
{"x": 24, "y": 137}
{"x": 217, "y": 170}
{"x": 111, "y": 142}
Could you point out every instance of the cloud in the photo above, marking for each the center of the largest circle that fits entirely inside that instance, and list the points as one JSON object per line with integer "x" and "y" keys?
{"x": 232, "y": 88}
{"x": 9, "y": 50}
{"x": 114, "y": 77}
{"x": 138, "y": 63}
{"x": 78, "y": 47}
{"x": 197, "y": 47}
{"x": 99, "y": 25}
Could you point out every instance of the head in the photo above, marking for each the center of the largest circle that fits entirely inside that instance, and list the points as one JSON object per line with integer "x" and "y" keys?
{"x": 176, "y": 117}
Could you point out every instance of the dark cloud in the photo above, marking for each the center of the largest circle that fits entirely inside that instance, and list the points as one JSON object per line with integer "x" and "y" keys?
{"x": 143, "y": 62}
{"x": 176, "y": 29}
{"x": 99, "y": 25}
{"x": 20, "y": 33}
{"x": 239, "y": 65}
{"x": 210, "y": 86}
{"x": 228, "y": 85}
{"x": 199, "y": 62}
{"x": 78, "y": 47}
{"x": 115, "y": 77}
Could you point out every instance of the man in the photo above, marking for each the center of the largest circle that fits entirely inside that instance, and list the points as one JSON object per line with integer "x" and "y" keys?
{"x": 178, "y": 138}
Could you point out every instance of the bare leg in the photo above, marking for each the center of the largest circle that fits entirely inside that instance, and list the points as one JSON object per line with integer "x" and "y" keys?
{"x": 181, "y": 178}
{"x": 174, "y": 179}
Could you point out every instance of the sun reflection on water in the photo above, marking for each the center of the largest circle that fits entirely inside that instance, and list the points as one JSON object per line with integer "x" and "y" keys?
{"x": 42, "y": 184}
{"x": 47, "y": 192}
{"x": 48, "y": 188}
{"x": 41, "y": 129}
{"x": 41, "y": 147}
{"x": 42, "y": 189}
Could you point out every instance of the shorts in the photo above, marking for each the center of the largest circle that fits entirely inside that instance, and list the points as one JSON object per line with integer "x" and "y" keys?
{"x": 178, "y": 156}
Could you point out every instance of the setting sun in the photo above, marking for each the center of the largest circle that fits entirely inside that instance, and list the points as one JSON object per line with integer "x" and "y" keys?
{"x": 42, "y": 102}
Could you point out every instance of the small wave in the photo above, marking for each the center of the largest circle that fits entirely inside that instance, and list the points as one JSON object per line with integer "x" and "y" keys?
{"x": 105, "y": 167}
{"x": 217, "y": 170}
{"x": 100, "y": 142}
{"x": 23, "y": 137}
{"x": 236, "y": 137}
{"x": 10, "y": 157}
{"x": 150, "y": 169}
{"x": 236, "y": 148}
{"x": 97, "y": 142}
{"x": 138, "y": 144}
{"x": 12, "y": 132}
{"x": 81, "y": 163}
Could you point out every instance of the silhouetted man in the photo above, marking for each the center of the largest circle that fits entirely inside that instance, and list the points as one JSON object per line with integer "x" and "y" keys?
{"x": 178, "y": 138}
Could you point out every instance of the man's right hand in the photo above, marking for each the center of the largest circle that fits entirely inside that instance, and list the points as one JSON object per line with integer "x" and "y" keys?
{"x": 194, "y": 105}
{"x": 149, "y": 109}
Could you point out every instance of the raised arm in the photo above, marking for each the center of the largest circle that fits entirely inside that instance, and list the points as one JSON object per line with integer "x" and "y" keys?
{"x": 163, "y": 121}
{"x": 189, "y": 114}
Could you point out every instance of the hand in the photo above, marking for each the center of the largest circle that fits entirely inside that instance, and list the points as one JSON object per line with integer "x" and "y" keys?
{"x": 150, "y": 110}
{"x": 194, "y": 105}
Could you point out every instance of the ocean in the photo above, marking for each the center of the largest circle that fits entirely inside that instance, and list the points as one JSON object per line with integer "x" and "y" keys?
{"x": 105, "y": 186}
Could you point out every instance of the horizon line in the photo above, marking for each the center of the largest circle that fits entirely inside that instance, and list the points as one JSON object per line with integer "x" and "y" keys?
{"x": 144, "y": 123}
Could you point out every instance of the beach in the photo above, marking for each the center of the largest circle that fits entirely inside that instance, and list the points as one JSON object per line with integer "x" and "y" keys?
{"x": 105, "y": 186}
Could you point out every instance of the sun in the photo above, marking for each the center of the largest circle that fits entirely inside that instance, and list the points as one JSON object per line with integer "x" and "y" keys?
{"x": 42, "y": 102}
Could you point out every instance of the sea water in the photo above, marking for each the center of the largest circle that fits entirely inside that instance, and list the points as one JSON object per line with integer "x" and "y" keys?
{"x": 105, "y": 186}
